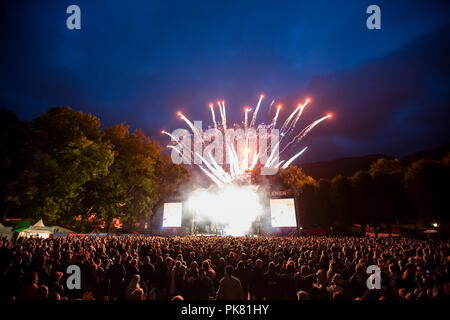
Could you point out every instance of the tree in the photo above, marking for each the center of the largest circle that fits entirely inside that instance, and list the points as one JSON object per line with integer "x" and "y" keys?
{"x": 170, "y": 176}
{"x": 428, "y": 182}
{"x": 341, "y": 200}
{"x": 128, "y": 191}
{"x": 364, "y": 202}
{"x": 14, "y": 155}
{"x": 390, "y": 195}
{"x": 323, "y": 206}
{"x": 446, "y": 160}
{"x": 307, "y": 203}
{"x": 294, "y": 178}
{"x": 67, "y": 150}
{"x": 138, "y": 179}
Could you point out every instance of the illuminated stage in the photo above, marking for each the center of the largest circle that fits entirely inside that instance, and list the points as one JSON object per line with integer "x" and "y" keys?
{"x": 234, "y": 210}
{"x": 227, "y": 153}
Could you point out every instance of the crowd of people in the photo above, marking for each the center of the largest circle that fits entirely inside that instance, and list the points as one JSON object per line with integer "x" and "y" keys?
{"x": 229, "y": 268}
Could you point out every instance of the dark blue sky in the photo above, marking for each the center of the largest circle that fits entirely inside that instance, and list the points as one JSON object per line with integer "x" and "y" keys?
{"x": 140, "y": 62}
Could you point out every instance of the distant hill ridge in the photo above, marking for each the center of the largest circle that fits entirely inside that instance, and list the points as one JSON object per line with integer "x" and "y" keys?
{"x": 349, "y": 165}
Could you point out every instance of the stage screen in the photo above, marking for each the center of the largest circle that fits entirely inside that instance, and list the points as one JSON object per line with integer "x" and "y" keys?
{"x": 172, "y": 214}
{"x": 283, "y": 212}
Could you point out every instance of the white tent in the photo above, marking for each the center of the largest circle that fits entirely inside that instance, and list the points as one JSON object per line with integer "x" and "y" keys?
{"x": 6, "y": 232}
{"x": 37, "y": 230}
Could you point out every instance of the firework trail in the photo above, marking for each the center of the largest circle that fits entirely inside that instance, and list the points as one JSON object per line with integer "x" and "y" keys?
{"x": 293, "y": 158}
{"x": 274, "y": 121}
{"x": 254, "y": 161}
{"x": 247, "y": 109}
{"x": 225, "y": 175}
{"x": 177, "y": 150}
{"x": 177, "y": 141}
{"x": 271, "y": 104}
{"x": 289, "y": 125}
{"x": 237, "y": 169}
{"x": 252, "y": 124}
{"x": 288, "y": 120}
{"x": 270, "y": 161}
{"x": 211, "y": 176}
{"x": 191, "y": 125}
{"x": 223, "y": 114}
{"x": 299, "y": 115}
{"x": 211, "y": 106}
{"x": 305, "y": 131}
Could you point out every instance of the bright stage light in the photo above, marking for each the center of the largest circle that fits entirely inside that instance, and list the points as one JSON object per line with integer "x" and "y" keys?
{"x": 283, "y": 212}
{"x": 172, "y": 214}
{"x": 234, "y": 206}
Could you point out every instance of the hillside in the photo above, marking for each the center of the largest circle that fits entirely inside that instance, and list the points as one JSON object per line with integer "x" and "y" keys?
{"x": 345, "y": 166}
{"x": 348, "y": 166}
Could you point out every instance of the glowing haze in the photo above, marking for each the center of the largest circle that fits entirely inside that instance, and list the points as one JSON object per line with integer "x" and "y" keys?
{"x": 234, "y": 206}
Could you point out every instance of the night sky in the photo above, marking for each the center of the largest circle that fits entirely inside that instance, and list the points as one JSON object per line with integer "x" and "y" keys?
{"x": 389, "y": 89}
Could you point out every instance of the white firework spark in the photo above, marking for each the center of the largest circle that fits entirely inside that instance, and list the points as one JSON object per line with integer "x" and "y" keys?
{"x": 237, "y": 169}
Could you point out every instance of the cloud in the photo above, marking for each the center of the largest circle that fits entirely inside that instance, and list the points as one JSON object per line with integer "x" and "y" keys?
{"x": 395, "y": 104}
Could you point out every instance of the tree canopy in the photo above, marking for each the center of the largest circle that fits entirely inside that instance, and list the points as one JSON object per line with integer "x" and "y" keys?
{"x": 389, "y": 192}
{"x": 64, "y": 168}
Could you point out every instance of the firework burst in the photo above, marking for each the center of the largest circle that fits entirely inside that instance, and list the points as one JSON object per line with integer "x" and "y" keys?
{"x": 241, "y": 158}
